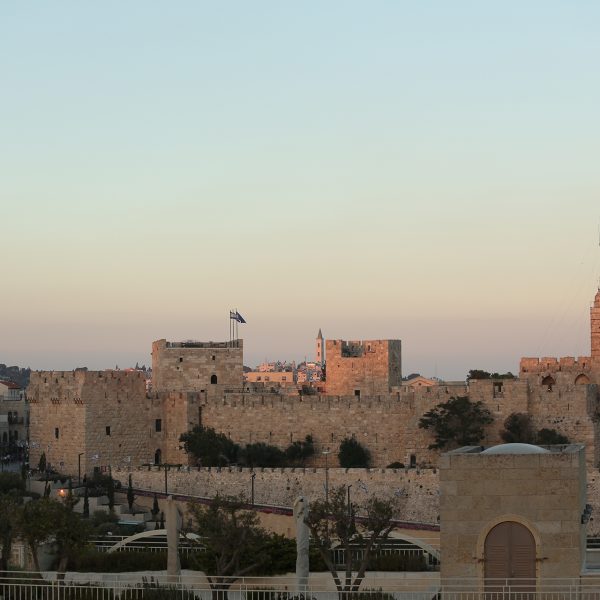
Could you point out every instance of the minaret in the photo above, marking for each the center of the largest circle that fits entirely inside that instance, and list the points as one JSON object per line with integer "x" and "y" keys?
{"x": 320, "y": 358}
{"x": 595, "y": 330}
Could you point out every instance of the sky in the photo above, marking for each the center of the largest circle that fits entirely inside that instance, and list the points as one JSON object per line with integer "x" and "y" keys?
{"x": 426, "y": 171}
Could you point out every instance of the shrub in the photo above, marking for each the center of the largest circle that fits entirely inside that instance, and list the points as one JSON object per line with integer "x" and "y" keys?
{"x": 353, "y": 454}
{"x": 395, "y": 465}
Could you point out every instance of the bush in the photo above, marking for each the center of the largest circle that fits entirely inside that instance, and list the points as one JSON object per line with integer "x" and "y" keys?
{"x": 518, "y": 429}
{"x": 353, "y": 454}
{"x": 549, "y": 437}
{"x": 10, "y": 482}
{"x": 398, "y": 562}
{"x": 92, "y": 561}
{"x": 395, "y": 465}
{"x": 260, "y": 454}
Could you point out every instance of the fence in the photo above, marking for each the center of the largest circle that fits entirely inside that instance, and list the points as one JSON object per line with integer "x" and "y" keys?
{"x": 30, "y": 586}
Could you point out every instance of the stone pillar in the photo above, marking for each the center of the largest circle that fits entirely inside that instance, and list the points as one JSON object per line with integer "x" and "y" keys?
{"x": 173, "y": 530}
{"x": 302, "y": 544}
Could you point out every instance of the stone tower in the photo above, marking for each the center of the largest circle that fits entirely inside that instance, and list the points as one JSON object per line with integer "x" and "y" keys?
{"x": 595, "y": 330}
{"x": 320, "y": 357}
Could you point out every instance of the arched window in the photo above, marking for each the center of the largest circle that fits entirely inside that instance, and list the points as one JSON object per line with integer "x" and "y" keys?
{"x": 549, "y": 382}
{"x": 158, "y": 457}
{"x": 582, "y": 379}
{"x": 213, "y": 379}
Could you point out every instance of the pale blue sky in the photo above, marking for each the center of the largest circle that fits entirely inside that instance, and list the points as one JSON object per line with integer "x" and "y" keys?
{"x": 427, "y": 171}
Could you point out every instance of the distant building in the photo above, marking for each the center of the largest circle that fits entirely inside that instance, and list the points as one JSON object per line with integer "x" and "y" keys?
{"x": 420, "y": 381}
{"x": 14, "y": 414}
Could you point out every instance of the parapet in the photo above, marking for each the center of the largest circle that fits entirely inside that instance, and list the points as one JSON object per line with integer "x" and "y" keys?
{"x": 548, "y": 364}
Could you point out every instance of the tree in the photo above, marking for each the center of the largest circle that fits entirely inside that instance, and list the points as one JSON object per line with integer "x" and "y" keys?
{"x": 232, "y": 542}
{"x": 298, "y": 451}
{"x": 334, "y": 520}
{"x": 130, "y": 495}
{"x": 478, "y": 374}
{"x": 42, "y": 463}
{"x": 518, "y": 429}
{"x": 10, "y": 503}
{"x": 155, "y": 508}
{"x": 353, "y": 454}
{"x": 209, "y": 448}
{"x": 260, "y": 454}
{"x": 40, "y": 521}
{"x": 86, "y": 503}
{"x": 549, "y": 437}
{"x": 458, "y": 422}
{"x": 110, "y": 492}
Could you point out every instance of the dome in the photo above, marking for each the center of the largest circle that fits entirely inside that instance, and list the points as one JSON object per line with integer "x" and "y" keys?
{"x": 516, "y": 449}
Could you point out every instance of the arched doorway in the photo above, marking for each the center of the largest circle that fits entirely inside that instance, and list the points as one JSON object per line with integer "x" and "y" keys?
{"x": 158, "y": 457}
{"x": 582, "y": 379}
{"x": 549, "y": 382}
{"x": 510, "y": 558}
{"x": 213, "y": 379}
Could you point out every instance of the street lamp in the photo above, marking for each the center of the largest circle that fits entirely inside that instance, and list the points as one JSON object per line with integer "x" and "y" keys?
{"x": 79, "y": 467}
{"x": 252, "y": 482}
{"x": 326, "y": 453}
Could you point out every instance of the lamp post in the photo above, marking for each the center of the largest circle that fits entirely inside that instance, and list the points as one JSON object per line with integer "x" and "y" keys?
{"x": 79, "y": 467}
{"x": 326, "y": 454}
{"x": 252, "y": 492}
{"x": 349, "y": 503}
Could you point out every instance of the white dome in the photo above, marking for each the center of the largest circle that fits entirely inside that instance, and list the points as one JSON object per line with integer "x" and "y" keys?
{"x": 516, "y": 449}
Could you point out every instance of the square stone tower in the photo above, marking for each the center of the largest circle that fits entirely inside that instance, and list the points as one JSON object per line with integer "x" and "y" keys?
{"x": 364, "y": 368}
{"x": 197, "y": 366}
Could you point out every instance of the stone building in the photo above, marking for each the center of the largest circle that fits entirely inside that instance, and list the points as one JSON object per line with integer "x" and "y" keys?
{"x": 14, "y": 411}
{"x": 363, "y": 368}
{"x": 513, "y": 515}
{"x": 205, "y": 367}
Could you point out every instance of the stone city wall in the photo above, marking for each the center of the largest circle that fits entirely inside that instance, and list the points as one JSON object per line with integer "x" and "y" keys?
{"x": 416, "y": 489}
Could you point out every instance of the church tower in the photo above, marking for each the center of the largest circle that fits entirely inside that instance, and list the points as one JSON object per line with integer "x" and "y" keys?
{"x": 595, "y": 330}
{"x": 320, "y": 358}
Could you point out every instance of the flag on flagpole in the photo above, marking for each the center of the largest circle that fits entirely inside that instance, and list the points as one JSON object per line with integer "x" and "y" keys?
{"x": 239, "y": 317}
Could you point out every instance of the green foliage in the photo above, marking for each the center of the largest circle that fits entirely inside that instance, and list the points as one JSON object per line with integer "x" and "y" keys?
{"x": 479, "y": 374}
{"x": 10, "y": 503}
{"x": 42, "y": 463}
{"x": 86, "y": 503}
{"x": 353, "y": 454}
{"x": 549, "y": 437}
{"x": 211, "y": 449}
{"x": 130, "y": 495}
{"x": 110, "y": 492}
{"x": 233, "y": 543}
{"x": 260, "y": 454}
{"x": 395, "y": 465}
{"x": 335, "y": 520}
{"x": 92, "y": 561}
{"x": 297, "y": 452}
{"x": 398, "y": 562}
{"x": 11, "y": 482}
{"x": 518, "y": 429}
{"x": 457, "y": 422}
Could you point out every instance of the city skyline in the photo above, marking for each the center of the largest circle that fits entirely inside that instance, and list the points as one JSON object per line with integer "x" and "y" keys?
{"x": 424, "y": 173}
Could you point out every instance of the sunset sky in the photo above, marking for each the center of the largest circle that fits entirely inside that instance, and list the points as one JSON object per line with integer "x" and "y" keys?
{"x": 424, "y": 171}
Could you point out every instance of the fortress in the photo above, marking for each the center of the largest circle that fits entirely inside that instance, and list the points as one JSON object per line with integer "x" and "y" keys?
{"x": 94, "y": 419}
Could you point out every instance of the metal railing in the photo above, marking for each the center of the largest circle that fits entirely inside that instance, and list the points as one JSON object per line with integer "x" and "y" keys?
{"x": 89, "y": 586}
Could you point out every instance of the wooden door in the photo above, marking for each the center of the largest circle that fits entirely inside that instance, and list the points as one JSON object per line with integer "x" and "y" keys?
{"x": 510, "y": 558}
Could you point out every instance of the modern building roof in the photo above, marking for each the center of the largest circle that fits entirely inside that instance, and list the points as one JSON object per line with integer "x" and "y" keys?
{"x": 516, "y": 449}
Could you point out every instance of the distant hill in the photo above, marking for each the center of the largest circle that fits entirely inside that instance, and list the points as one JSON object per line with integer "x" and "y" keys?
{"x": 16, "y": 374}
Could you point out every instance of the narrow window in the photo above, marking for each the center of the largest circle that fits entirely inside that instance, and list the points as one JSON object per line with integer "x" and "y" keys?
{"x": 108, "y": 430}
{"x": 357, "y": 393}
{"x": 413, "y": 461}
{"x": 56, "y": 433}
{"x": 213, "y": 357}
{"x": 181, "y": 359}
{"x": 158, "y": 425}
{"x": 213, "y": 379}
